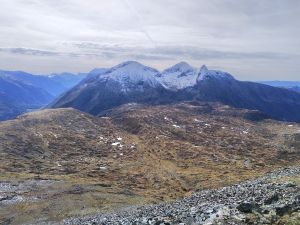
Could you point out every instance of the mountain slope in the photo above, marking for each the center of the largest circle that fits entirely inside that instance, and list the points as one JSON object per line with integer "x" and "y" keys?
{"x": 219, "y": 86}
{"x": 7, "y": 107}
{"x": 96, "y": 72}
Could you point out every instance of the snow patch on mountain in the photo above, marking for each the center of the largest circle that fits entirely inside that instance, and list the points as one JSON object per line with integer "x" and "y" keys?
{"x": 179, "y": 76}
{"x": 182, "y": 75}
{"x": 205, "y": 73}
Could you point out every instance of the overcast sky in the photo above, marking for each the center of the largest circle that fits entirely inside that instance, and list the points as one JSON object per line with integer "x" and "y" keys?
{"x": 252, "y": 39}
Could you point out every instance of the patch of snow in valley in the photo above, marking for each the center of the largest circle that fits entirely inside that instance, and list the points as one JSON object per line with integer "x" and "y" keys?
{"x": 198, "y": 121}
{"x": 115, "y": 143}
{"x": 103, "y": 168}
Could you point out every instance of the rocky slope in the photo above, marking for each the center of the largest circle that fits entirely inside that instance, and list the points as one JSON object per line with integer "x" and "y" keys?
{"x": 63, "y": 163}
{"x": 132, "y": 82}
{"x": 272, "y": 199}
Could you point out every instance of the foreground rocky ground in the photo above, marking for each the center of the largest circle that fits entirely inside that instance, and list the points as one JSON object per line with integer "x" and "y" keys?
{"x": 271, "y": 199}
{"x": 62, "y": 163}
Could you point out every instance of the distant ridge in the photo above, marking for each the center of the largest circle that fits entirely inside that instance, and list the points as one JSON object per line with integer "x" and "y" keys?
{"x": 291, "y": 85}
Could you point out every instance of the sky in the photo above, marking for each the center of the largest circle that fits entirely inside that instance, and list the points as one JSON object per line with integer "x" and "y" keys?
{"x": 251, "y": 39}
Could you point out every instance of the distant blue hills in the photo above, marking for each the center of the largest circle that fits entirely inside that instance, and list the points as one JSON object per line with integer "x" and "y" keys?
{"x": 21, "y": 92}
{"x": 291, "y": 85}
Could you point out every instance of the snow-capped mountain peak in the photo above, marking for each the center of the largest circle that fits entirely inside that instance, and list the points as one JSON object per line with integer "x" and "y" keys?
{"x": 130, "y": 74}
{"x": 133, "y": 67}
{"x": 205, "y": 73}
{"x": 179, "y": 76}
{"x": 203, "y": 69}
{"x": 182, "y": 67}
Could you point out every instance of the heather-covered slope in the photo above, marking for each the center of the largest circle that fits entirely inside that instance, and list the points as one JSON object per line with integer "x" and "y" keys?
{"x": 62, "y": 162}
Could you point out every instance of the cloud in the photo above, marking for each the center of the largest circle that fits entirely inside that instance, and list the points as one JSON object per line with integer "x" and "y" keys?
{"x": 95, "y": 33}
{"x": 25, "y": 51}
{"x": 173, "y": 52}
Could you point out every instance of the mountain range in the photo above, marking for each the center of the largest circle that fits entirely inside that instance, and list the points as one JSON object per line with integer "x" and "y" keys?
{"x": 17, "y": 97}
{"x": 21, "y": 92}
{"x": 131, "y": 81}
{"x": 54, "y": 84}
